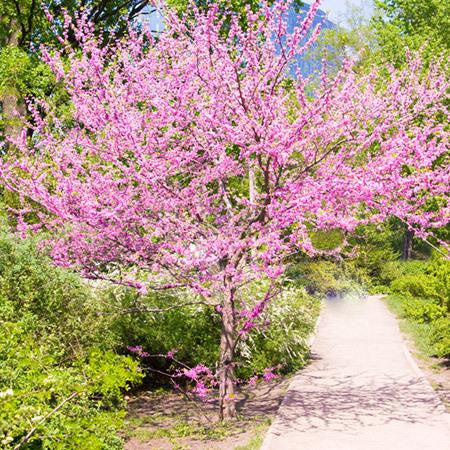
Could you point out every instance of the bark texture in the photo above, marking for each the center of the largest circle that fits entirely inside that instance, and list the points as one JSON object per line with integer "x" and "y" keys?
{"x": 227, "y": 344}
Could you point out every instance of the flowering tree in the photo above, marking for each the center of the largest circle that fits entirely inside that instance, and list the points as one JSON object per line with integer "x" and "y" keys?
{"x": 192, "y": 160}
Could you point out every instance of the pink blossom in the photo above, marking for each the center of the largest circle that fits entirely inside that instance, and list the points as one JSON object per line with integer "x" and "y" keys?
{"x": 171, "y": 353}
{"x": 269, "y": 375}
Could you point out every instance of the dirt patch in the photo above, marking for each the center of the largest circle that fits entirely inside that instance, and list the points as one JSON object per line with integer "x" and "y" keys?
{"x": 168, "y": 421}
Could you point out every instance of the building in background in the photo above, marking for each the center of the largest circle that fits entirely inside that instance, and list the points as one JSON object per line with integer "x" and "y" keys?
{"x": 151, "y": 19}
{"x": 310, "y": 62}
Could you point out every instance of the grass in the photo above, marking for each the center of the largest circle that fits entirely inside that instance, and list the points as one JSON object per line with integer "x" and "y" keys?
{"x": 147, "y": 430}
{"x": 148, "y": 427}
{"x": 255, "y": 441}
{"x": 420, "y": 333}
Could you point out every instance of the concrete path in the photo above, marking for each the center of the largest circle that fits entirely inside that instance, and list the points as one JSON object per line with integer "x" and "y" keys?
{"x": 362, "y": 391}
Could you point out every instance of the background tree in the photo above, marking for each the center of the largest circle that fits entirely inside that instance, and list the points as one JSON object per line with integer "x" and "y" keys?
{"x": 411, "y": 24}
{"x": 190, "y": 164}
{"x": 23, "y": 27}
{"x": 352, "y": 36}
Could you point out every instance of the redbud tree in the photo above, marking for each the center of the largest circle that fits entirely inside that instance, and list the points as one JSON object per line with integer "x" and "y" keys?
{"x": 196, "y": 160}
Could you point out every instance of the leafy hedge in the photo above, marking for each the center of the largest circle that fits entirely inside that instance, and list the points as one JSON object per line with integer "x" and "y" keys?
{"x": 194, "y": 331}
{"x": 421, "y": 290}
{"x": 283, "y": 342}
{"x": 59, "y": 380}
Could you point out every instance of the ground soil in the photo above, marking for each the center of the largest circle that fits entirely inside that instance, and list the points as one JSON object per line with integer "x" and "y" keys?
{"x": 152, "y": 415}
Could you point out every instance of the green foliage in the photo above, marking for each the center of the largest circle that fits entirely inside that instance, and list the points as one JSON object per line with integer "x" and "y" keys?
{"x": 428, "y": 322}
{"x": 423, "y": 279}
{"x": 327, "y": 240}
{"x": 328, "y": 278}
{"x": 34, "y": 381}
{"x": 24, "y": 74}
{"x": 376, "y": 246}
{"x": 422, "y": 311}
{"x": 422, "y": 297}
{"x": 439, "y": 270}
{"x": 283, "y": 342}
{"x": 53, "y": 302}
{"x": 418, "y": 285}
{"x": 24, "y": 21}
{"x": 353, "y": 35}
{"x": 194, "y": 330}
{"x": 54, "y": 347}
{"x": 412, "y": 24}
{"x": 440, "y": 337}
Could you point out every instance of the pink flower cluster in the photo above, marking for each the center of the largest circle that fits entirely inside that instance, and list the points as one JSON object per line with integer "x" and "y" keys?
{"x": 138, "y": 351}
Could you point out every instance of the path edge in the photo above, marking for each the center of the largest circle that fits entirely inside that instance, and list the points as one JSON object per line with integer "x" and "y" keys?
{"x": 413, "y": 363}
{"x": 269, "y": 434}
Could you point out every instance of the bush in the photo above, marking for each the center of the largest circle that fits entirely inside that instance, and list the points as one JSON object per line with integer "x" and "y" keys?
{"x": 54, "y": 345}
{"x": 422, "y": 311}
{"x": 439, "y": 270}
{"x": 420, "y": 285}
{"x": 376, "y": 246}
{"x": 195, "y": 330}
{"x": 440, "y": 337}
{"x": 33, "y": 382}
{"x": 51, "y": 302}
{"x": 429, "y": 321}
{"x": 284, "y": 341}
{"x": 327, "y": 278}
{"x": 61, "y": 338}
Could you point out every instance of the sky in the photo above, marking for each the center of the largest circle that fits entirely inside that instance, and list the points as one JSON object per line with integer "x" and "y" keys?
{"x": 336, "y": 8}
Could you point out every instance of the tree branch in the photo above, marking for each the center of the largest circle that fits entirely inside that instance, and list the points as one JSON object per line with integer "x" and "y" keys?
{"x": 53, "y": 411}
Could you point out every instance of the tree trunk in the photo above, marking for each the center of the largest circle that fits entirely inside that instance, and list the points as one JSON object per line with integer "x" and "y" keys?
{"x": 226, "y": 367}
{"x": 13, "y": 112}
{"x": 13, "y": 107}
{"x": 407, "y": 244}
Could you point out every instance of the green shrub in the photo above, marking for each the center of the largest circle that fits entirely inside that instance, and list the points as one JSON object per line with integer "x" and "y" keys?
{"x": 420, "y": 285}
{"x": 376, "y": 245}
{"x": 53, "y": 345}
{"x": 392, "y": 270}
{"x": 440, "y": 337}
{"x": 439, "y": 270}
{"x": 34, "y": 381}
{"x": 322, "y": 277}
{"x": 193, "y": 330}
{"x": 284, "y": 341}
{"x": 53, "y": 302}
{"x": 422, "y": 311}
{"x": 428, "y": 321}
{"x": 424, "y": 279}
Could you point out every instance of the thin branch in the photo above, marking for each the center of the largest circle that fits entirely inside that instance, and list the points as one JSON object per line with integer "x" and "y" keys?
{"x": 53, "y": 411}
{"x": 422, "y": 238}
{"x": 178, "y": 388}
{"x": 145, "y": 309}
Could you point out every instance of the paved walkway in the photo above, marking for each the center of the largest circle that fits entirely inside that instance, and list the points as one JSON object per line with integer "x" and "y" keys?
{"x": 363, "y": 391}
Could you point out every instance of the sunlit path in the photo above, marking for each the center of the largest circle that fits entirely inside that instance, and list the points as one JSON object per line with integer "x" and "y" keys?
{"x": 362, "y": 391}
